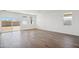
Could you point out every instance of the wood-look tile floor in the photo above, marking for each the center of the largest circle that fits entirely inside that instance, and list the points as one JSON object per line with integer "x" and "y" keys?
{"x": 37, "y": 39}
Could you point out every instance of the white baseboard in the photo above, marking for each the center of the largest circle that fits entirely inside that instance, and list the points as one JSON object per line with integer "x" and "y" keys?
{"x": 59, "y": 32}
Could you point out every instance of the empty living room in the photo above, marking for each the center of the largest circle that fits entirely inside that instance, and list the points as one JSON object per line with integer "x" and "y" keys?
{"x": 39, "y": 29}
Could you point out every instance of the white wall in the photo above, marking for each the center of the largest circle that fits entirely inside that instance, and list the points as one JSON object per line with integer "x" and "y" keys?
{"x": 53, "y": 21}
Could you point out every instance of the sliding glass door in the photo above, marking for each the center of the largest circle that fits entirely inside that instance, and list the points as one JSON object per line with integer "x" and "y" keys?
{"x": 15, "y": 25}
{"x": 6, "y": 26}
{"x": 12, "y": 24}
{"x": 9, "y": 24}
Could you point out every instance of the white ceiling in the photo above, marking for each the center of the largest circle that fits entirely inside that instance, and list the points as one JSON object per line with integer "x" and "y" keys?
{"x": 36, "y": 12}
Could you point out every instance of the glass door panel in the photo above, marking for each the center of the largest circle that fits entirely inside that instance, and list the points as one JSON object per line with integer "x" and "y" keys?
{"x": 15, "y": 25}
{"x": 6, "y": 26}
{"x": 0, "y": 26}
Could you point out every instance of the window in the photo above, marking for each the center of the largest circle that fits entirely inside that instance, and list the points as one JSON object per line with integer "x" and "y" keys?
{"x": 68, "y": 18}
{"x": 33, "y": 19}
{"x": 24, "y": 22}
{"x": 9, "y": 24}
